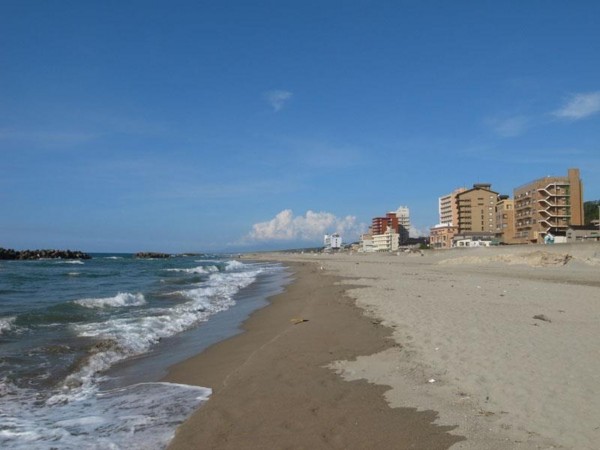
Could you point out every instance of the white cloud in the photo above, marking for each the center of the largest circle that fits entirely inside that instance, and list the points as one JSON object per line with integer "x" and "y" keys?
{"x": 415, "y": 232}
{"x": 277, "y": 99}
{"x": 312, "y": 226}
{"x": 580, "y": 106}
{"x": 511, "y": 127}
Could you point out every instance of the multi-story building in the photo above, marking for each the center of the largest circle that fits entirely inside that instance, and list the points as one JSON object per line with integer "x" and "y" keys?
{"x": 441, "y": 235}
{"x": 448, "y": 209}
{"x": 403, "y": 215}
{"x": 477, "y": 209}
{"x": 332, "y": 241}
{"x": 505, "y": 220}
{"x": 548, "y": 205}
{"x": 366, "y": 243}
{"x": 394, "y": 225}
{"x": 387, "y": 241}
{"x": 380, "y": 224}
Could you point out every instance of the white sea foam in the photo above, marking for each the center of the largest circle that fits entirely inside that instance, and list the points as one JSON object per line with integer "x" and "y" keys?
{"x": 70, "y": 261}
{"x": 113, "y": 257}
{"x": 119, "y": 300}
{"x": 6, "y": 324}
{"x": 140, "y": 416}
{"x": 234, "y": 265}
{"x": 131, "y": 336}
{"x": 197, "y": 270}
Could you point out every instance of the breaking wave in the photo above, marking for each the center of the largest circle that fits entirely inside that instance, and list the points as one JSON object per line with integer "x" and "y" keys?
{"x": 120, "y": 300}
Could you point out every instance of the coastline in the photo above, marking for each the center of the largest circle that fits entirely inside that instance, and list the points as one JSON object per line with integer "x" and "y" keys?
{"x": 491, "y": 348}
{"x": 272, "y": 387}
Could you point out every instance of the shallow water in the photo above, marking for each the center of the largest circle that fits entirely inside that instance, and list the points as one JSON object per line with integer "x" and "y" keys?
{"x": 80, "y": 339}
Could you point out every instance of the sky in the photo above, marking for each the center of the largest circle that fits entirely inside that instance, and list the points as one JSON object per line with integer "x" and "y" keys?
{"x": 226, "y": 126}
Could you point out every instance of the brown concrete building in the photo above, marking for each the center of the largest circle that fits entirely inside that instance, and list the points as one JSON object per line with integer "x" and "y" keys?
{"x": 441, "y": 236}
{"x": 548, "y": 205}
{"x": 505, "y": 220}
{"x": 477, "y": 209}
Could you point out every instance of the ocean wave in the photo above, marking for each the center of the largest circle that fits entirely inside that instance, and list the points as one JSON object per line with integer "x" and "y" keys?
{"x": 235, "y": 265}
{"x": 142, "y": 415}
{"x": 6, "y": 324}
{"x": 123, "y": 338}
{"x": 69, "y": 261}
{"x": 112, "y": 257}
{"x": 120, "y": 300}
{"x": 196, "y": 270}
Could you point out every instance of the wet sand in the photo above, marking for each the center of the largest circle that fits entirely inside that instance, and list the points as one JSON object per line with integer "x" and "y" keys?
{"x": 477, "y": 349}
{"x": 273, "y": 387}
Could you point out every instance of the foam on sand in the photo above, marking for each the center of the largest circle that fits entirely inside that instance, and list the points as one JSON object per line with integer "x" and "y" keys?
{"x": 139, "y": 416}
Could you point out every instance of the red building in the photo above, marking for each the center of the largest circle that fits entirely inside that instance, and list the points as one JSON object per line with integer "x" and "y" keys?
{"x": 380, "y": 224}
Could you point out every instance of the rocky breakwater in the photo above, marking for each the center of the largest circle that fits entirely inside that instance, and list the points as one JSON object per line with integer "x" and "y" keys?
{"x": 10, "y": 254}
{"x": 152, "y": 255}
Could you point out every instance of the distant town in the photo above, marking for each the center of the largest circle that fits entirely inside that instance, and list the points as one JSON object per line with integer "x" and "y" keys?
{"x": 546, "y": 210}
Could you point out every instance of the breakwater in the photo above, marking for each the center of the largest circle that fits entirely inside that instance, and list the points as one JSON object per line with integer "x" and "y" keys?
{"x": 152, "y": 255}
{"x": 10, "y": 254}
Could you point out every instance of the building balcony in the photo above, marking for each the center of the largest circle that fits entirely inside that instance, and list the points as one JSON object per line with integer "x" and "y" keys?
{"x": 524, "y": 226}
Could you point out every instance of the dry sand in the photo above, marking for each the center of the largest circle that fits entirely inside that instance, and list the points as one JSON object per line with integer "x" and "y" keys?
{"x": 502, "y": 343}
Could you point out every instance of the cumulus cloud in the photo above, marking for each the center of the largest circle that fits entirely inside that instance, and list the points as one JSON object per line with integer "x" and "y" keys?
{"x": 580, "y": 106}
{"x": 278, "y": 98}
{"x": 415, "y": 232}
{"x": 312, "y": 226}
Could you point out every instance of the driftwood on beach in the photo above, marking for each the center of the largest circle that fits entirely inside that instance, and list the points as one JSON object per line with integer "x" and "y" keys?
{"x": 10, "y": 254}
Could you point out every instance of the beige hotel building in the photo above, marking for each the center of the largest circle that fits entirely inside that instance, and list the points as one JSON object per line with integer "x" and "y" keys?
{"x": 548, "y": 205}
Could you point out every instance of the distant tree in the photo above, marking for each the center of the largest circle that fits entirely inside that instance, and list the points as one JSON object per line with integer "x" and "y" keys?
{"x": 590, "y": 211}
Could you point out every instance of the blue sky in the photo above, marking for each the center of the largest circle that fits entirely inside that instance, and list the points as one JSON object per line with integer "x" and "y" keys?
{"x": 235, "y": 125}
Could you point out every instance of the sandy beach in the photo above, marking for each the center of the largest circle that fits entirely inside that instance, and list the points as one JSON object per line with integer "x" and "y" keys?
{"x": 493, "y": 348}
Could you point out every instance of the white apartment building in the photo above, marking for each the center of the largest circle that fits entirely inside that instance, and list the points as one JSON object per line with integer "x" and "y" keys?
{"x": 366, "y": 243}
{"x": 448, "y": 209}
{"x": 332, "y": 241}
{"x": 403, "y": 215}
{"x": 386, "y": 242}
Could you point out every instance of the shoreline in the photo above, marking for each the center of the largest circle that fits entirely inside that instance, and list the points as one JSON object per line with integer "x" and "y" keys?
{"x": 272, "y": 387}
{"x": 488, "y": 348}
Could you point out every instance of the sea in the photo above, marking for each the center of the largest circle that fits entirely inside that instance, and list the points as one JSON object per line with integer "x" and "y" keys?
{"x": 84, "y": 344}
